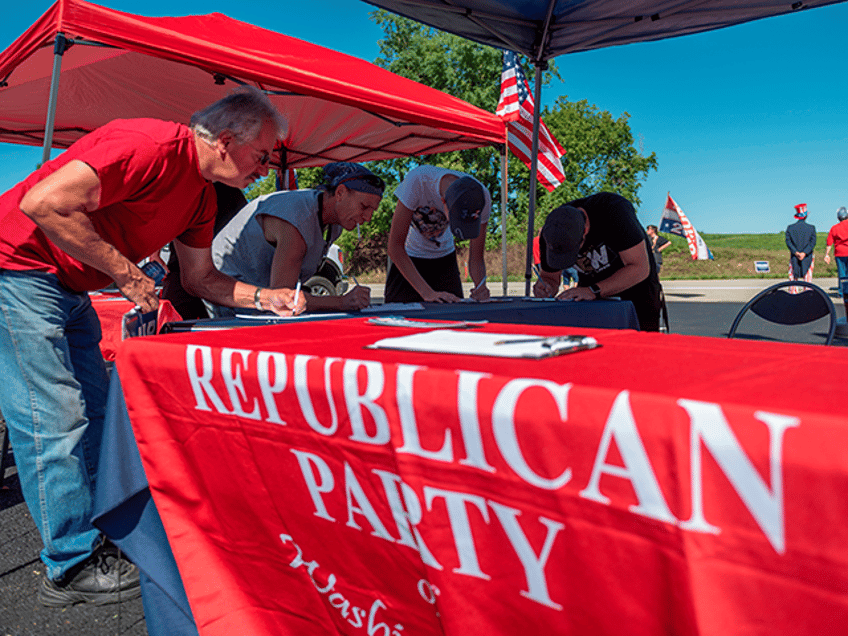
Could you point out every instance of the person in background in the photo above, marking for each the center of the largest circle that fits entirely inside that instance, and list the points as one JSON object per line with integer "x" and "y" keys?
{"x": 801, "y": 241}
{"x": 79, "y": 222}
{"x": 658, "y": 244}
{"x": 434, "y": 206}
{"x": 601, "y": 236}
{"x": 281, "y": 238}
{"x": 837, "y": 238}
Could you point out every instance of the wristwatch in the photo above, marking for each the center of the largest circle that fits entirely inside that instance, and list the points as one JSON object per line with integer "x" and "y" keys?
{"x": 595, "y": 290}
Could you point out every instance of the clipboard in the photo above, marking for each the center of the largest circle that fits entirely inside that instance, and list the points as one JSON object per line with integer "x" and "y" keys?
{"x": 498, "y": 345}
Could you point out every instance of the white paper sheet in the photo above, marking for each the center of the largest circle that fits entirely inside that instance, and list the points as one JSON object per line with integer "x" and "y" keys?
{"x": 500, "y": 345}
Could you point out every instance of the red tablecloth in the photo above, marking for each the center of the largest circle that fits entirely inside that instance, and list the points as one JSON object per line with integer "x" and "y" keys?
{"x": 660, "y": 484}
{"x": 110, "y": 309}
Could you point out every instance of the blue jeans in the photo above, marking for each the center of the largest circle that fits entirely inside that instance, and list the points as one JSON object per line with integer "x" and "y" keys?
{"x": 53, "y": 399}
{"x": 842, "y": 273}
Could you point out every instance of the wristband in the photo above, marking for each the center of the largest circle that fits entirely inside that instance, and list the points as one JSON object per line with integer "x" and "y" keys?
{"x": 257, "y": 302}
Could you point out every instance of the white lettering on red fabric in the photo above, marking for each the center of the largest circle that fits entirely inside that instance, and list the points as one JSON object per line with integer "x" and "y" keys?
{"x": 231, "y": 370}
{"x": 356, "y": 401}
{"x": 353, "y": 614}
{"x": 469, "y": 420}
{"x": 304, "y": 398}
{"x": 407, "y": 513}
{"x": 455, "y": 502}
{"x": 408, "y": 425}
{"x": 318, "y": 483}
{"x": 708, "y": 425}
{"x": 503, "y": 426}
{"x": 357, "y": 502}
{"x": 621, "y": 425}
{"x": 371, "y": 414}
{"x": 533, "y": 564}
{"x": 201, "y": 378}
{"x": 264, "y": 361}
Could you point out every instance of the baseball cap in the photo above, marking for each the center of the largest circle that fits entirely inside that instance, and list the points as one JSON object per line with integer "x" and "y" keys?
{"x": 562, "y": 236}
{"x": 354, "y": 176}
{"x": 465, "y": 201}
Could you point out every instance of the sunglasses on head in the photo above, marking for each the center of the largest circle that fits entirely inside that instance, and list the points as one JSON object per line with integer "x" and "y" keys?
{"x": 371, "y": 179}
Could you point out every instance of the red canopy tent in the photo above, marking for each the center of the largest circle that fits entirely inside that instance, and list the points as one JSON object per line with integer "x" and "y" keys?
{"x": 107, "y": 64}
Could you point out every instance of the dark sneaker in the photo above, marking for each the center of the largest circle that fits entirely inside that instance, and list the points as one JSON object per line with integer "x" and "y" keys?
{"x": 103, "y": 579}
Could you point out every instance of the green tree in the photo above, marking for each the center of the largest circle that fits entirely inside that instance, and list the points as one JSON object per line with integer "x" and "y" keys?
{"x": 601, "y": 153}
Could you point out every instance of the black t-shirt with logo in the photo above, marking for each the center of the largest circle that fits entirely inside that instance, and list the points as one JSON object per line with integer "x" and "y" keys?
{"x": 613, "y": 228}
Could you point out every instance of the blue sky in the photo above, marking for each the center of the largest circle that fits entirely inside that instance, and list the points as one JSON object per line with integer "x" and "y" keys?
{"x": 746, "y": 121}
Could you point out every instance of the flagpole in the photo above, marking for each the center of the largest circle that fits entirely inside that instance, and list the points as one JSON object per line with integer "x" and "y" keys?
{"x": 537, "y": 115}
{"x": 503, "y": 214}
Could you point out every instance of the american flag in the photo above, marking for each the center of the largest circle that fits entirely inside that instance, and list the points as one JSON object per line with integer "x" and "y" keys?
{"x": 286, "y": 179}
{"x": 515, "y": 107}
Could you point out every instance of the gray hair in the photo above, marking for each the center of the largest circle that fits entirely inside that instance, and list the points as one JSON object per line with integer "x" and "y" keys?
{"x": 842, "y": 213}
{"x": 243, "y": 112}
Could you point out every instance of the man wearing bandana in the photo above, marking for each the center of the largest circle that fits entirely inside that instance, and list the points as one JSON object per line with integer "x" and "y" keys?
{"x": 284, "y": 236}
{"x": 434, "y": 206}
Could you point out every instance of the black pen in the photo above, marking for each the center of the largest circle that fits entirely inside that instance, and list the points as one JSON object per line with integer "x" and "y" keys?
{"x": 545, "y": 339}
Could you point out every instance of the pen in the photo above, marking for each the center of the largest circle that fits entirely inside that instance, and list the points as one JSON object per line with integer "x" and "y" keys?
{"x": 546, "y": 339}
{"x": 296, "y": 293}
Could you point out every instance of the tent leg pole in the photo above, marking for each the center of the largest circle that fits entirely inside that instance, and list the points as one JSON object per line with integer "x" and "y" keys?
{"x": 503, "y": 217}
{"x": 59, "y": 48}
{"x": 534, "y": 167}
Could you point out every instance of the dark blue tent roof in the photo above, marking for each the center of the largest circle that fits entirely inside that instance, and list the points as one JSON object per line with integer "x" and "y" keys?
{"x": 543, "y": 29}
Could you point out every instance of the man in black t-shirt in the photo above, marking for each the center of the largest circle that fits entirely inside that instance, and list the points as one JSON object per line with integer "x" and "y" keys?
{"x": 601, "y": 236}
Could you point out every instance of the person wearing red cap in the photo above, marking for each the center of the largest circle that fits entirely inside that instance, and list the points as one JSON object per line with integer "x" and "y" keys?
{"x": 801, "y": 241}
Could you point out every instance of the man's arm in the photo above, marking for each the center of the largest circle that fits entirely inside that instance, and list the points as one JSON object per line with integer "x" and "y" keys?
{"x": 401, "y": 221}
{"x": 636, "y": 269}
{"x": 59, "y": 204}
{"x": 665, "y": 243}
{"x": 200, "y": 278}
{"x": 547, "y": 286}
{"x": 477, "y": 264}
{"x": 289, "y": 252}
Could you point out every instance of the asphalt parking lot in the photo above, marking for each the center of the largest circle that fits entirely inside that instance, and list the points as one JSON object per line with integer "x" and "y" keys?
{"x": 697, "y": 308}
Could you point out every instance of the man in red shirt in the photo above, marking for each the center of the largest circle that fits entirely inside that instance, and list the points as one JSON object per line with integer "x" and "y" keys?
{"x": 838, "y": 238}
{"x": 78, "y": 223}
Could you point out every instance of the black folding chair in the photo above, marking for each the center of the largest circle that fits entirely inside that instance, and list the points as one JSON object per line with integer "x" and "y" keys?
{"x": 777, "y": 305}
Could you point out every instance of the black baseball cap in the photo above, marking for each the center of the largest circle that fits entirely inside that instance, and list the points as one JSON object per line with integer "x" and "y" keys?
{"x": 562, "y": 237}
{"x": 465, "y": 201}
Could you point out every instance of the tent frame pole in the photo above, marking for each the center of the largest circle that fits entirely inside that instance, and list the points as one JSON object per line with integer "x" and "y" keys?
{"x": 60, "y": 45}
{"x": 504, "y": 185}
{"x": 534, "y": 167}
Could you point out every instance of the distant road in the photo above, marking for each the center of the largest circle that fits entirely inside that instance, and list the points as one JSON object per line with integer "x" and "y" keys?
{"x": 716, "y": 291}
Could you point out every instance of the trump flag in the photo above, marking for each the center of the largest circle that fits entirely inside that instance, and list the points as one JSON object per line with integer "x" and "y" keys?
{"x": 674, "y": 221}
{"x": 516, "y": 108}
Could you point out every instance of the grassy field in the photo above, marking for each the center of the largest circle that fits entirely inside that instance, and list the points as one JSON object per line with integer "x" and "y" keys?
{"x": 734, "y": 256}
